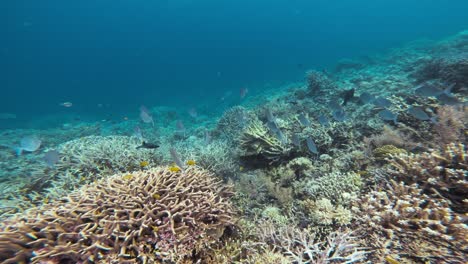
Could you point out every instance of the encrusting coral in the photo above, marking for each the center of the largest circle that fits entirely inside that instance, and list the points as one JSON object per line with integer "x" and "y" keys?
{"x": 142, "y": 217}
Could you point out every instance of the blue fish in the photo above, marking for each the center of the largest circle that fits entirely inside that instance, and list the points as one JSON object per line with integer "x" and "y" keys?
{"x": 311, "y": 145}
{"x": 418, "y": 113}
{"x": 339, "y": 115}
{"x": 323, "y": 120}
{"x": 428, "y": 90}
{"x": 303, "y": 119}
{"x": 388, "y": 115}
{"x": 382, "y": 102}
{"x": 366, "y": 98}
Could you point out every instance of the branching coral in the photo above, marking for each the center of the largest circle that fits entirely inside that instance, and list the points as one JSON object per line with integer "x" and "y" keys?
{"x": 258, "y": 145}
{"x": 303, "y": 246}
{"x": 440, "y": 173}
{"x": 402, "y": 213}
{"x": 146, "y": 216}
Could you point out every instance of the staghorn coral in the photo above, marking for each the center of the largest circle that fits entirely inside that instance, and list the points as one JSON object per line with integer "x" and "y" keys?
{"x": 97, "y": 155}
{"x": 258, "y": 146}
{"x": 154, "y": 215}
{"x": 406, "y": 222}
{"x": 304, "y": 246}
{"x": 440, "y": 173}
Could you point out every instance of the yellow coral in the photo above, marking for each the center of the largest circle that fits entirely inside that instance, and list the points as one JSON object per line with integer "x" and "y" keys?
{"x": 386, "y": 151}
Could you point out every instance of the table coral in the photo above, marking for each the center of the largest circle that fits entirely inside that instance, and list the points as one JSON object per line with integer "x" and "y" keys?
{"x": 155, "y": 215}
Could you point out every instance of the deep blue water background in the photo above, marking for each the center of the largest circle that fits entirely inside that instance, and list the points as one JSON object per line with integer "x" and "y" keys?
{"x": 124, "y": 53}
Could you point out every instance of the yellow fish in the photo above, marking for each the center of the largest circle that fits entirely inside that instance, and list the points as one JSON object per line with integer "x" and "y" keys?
{"x": 191, "y": 162}
{"x": 174, "y": 169}
{"x": 156, "y": 196}
{"x": 127, "y": 177}
{"x": 144, "y": 163}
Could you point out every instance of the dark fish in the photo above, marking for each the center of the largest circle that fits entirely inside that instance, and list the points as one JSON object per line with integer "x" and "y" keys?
{"x": 146, "y": 145}
{"x": 303, "y": 119}
{"x": 347, "y": 95}
{"x": 339, "y": 115}
{"x": 51, "y": 157}
{"x": 311, "y": 145}
{"x": 388, "y": 115}
{"x": 366, "y": 98}
{"x": 418, "y": 113}
{"x": 382, "y": 102}
{"x": 429, "y": 90}
{"x": 323, "y": 120}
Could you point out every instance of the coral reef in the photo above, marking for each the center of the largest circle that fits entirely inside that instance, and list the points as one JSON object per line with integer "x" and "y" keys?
{"x": 150, "y": 215}
{"x": 441, "y": 173}
{"x": 405, "y": 222}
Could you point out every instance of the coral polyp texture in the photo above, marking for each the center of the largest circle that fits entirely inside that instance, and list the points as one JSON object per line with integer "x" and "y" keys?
{"x": 142, "y": 217}
{"x": 441, "y": 173}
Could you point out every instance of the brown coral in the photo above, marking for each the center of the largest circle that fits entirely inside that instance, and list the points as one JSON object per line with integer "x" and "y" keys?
{"x": 154, "y": 215}
{"x": 402, "y": 217}
{"x": 440, "y": 173}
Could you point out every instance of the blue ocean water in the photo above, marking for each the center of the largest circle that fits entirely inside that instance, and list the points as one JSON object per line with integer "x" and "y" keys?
{"x": 121, "y": 54}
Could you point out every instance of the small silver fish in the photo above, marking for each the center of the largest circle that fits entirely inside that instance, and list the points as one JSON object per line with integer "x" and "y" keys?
{"x": 295, "y": 140}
